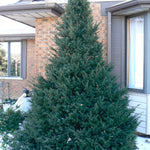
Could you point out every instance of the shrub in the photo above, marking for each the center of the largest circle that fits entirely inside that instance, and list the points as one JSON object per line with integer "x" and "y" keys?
{"x": 10, "y": 121}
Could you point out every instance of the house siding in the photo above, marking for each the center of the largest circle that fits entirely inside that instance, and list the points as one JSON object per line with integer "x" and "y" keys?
{"x": 148, "y": 115}
{"x": 118, "y": 48}
{"x": 141, "y": 102}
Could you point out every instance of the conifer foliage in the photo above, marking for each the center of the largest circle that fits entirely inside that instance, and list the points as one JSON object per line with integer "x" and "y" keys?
{"x": 79, "y": 105}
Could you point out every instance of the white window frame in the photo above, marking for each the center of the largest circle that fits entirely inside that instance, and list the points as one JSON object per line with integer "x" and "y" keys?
{"x": 131, "y": 75}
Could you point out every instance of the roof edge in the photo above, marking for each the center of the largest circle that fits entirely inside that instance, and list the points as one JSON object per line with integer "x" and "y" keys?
{"x": 127, "y": 4}
{"x": 32, "y": 6}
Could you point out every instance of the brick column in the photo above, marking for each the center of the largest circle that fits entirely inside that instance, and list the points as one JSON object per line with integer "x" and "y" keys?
{"x": 44, "y": 39}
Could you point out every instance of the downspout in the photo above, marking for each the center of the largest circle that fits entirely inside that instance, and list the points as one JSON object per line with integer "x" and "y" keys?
{"x": 109, "y": 37}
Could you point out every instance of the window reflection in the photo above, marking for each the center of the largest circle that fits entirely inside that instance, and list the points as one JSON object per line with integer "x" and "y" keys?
{"x": 15, "y": 49}
{"x": 10, "y": 59}
{"x": 3, "y": 58}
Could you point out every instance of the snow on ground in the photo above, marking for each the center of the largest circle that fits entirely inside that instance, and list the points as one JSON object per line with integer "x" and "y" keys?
{"x": 141, "y": 143}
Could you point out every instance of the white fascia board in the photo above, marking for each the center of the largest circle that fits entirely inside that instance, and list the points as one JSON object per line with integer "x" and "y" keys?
{"x": 66, "y": 1}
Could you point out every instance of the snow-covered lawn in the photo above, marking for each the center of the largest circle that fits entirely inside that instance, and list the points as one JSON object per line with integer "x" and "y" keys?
{"x": 142, "y": 143}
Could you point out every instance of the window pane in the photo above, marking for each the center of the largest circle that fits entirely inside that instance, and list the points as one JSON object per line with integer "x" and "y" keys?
{"x": 136, "y": 52}
{"x": 15, "y": 53}
{"x": 3, "y": 58}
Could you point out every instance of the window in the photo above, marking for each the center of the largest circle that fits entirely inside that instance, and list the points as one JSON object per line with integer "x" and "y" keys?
{"x": 11, "y": 59}
{"x": 129, "y": 47}
{"x": 135, "y": 52}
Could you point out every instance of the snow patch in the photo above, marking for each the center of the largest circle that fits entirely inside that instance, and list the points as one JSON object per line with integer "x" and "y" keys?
{"x": 143, "y": 143}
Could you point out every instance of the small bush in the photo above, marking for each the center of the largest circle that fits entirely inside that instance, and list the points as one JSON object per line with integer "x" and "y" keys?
{"x": 9, "y": 122}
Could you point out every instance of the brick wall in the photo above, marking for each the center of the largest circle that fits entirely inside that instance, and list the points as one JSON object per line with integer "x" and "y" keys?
{"x": 38, "y": 50}
{"x": 45, "y": 29}
{"x": 102, "y": 30}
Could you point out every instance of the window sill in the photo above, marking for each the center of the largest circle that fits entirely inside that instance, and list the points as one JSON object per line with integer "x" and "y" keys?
{"x": 11, "y": 78}
{"x": 136, "y": 90}
{"x": 138, "y": 94}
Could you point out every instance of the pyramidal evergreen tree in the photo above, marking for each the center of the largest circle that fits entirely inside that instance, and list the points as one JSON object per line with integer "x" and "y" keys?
{"x": 79, "y": 105}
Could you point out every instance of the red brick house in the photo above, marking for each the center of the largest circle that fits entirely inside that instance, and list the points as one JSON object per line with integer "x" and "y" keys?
{"x": 124, "y": 32}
